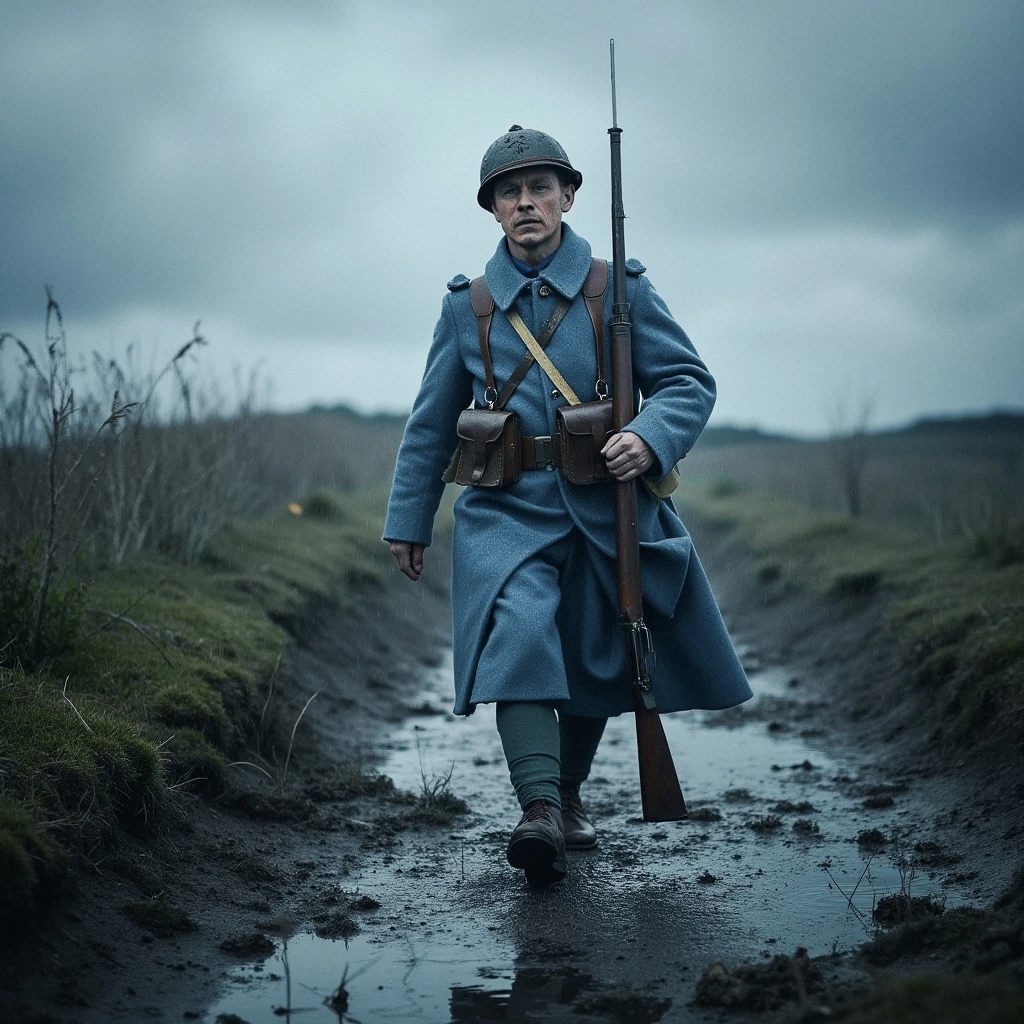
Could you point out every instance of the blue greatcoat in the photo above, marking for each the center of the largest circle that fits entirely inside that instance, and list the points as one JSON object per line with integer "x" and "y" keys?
{"x": 533, "y": 582}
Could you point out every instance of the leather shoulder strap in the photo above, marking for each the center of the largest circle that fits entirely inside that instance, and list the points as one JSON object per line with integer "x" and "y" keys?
{"x": 594, "y": 288}
{"x": 483, "y": 306}
{"x": 480, "y": 296}
{"x": 597, "y": 279}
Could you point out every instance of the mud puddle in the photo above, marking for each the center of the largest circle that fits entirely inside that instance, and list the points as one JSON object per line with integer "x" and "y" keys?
{"x": 777, "y": 854}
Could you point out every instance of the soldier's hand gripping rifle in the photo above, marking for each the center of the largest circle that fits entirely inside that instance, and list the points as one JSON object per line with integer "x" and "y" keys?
{"x": 659, "y": 786}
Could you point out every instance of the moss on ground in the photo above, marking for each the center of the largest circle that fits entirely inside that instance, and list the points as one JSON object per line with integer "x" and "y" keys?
{"x": 959, "y": 609}
{"x": 939, "y": 999}
{"x": 32, "y": 866}
{"x": 168, "y": 681}
{"x": 162, "y": 919}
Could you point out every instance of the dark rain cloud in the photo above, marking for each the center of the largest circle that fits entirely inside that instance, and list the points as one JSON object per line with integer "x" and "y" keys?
{"x": 828, "y": 192}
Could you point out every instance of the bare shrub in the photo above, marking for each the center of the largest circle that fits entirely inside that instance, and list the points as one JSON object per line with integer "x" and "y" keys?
{"x": 67, "y": 445}
{"x": 114, "y": 461}
{"x": 182, "y": 469}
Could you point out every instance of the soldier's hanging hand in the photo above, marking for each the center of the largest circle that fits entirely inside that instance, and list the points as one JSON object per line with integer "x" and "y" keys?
{"x": 627, "y": 455}
{"x": 409, "y": 557}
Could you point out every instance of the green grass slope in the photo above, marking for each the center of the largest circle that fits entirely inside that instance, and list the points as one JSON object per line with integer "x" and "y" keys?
{"x": 167, "y": 682}
{"x": 959, "y": 609}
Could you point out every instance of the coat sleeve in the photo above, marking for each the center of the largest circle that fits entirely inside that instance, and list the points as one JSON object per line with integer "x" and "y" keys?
{"x": 429, "y": 438}
{"x": 678, "y": 391}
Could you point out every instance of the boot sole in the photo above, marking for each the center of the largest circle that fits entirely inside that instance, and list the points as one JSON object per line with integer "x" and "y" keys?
{"x": 539, "y": 859}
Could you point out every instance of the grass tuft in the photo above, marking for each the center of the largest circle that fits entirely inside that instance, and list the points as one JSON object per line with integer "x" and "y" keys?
{"x": 436, "y": 804}
{"x": 900, "y": 908}
{"x": 194, "y": 705}
{"x": 193, "y": 764}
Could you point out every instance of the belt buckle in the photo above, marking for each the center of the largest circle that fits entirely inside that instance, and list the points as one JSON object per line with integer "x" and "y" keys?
{"x": 544, "y": 452}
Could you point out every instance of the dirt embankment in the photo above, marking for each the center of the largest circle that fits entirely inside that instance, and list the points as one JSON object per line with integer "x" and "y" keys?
{"x": 855, "y": 683}
{"x": 150, "y": 930}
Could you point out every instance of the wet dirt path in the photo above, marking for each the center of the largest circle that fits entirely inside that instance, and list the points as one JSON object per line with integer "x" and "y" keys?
{"x": 766, "y": 862}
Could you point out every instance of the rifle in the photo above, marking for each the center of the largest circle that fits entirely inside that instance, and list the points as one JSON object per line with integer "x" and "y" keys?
{"x": 660, "y": 794}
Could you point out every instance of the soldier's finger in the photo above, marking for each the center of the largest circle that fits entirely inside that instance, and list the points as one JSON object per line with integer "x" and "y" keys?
{"x": 625, "y": 473}
{"x": 620, "y": 461}
{"x": 614, "y": 445}
{"x": 417, "y": 558}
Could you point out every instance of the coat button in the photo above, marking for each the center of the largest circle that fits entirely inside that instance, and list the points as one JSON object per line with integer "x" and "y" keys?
{"x": 556, "y": 393}
{"x": 544, "y": 291}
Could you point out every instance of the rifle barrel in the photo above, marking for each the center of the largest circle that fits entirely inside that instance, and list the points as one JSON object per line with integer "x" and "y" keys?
{"x": 661, "y": 795}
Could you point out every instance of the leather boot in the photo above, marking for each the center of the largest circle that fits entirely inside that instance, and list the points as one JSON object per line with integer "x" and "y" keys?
{"x": 577, "y": 828}
{"x": 537, "y": 846}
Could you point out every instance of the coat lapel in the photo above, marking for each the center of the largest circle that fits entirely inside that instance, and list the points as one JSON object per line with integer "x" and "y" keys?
{"x": 565, "y": 273}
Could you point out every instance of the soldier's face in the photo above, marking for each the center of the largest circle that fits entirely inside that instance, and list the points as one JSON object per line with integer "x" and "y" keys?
{"x": 529, "y": 205}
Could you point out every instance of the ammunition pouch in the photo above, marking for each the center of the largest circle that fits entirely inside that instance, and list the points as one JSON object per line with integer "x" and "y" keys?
{"x": 490, "y": 449}
{"x": 582, "y": 431}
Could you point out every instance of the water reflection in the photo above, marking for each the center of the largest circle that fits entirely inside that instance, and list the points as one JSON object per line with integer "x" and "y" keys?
{"x": 538, "y": 994}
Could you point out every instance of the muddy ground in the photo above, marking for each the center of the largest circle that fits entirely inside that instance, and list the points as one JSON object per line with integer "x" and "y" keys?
{"x": 351, "y": 899}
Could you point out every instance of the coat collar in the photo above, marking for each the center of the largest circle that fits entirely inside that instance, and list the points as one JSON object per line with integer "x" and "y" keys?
{"x": 565, "y": 273}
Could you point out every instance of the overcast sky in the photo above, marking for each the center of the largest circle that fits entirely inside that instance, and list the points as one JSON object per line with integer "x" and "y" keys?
{"x": 828, "y": 194}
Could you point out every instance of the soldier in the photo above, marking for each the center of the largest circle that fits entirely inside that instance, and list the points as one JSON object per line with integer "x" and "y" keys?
{"x": 533, "y": 579}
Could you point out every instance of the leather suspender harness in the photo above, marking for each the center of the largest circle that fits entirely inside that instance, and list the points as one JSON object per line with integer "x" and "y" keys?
{"x": 492, "y": 452}
{"x": 541, "y": 452}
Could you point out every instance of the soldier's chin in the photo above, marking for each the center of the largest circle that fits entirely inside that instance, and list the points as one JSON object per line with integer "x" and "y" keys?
{"x": 532, "y": 234}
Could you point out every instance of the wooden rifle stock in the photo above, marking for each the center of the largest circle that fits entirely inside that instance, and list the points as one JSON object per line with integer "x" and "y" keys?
{"x": 660, "y": 794}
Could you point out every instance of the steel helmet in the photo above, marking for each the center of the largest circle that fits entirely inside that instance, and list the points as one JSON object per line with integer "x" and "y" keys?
{"x": 521, "y": 147}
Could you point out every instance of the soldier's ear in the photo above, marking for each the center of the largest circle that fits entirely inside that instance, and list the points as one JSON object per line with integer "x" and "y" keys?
{"x": 568, "y": 197}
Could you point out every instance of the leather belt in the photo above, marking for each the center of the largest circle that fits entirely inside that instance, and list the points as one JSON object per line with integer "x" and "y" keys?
{"x": 540, "y": 452}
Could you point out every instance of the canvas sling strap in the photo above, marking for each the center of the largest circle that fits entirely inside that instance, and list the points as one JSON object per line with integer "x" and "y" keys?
{"x": 541, "y": 356}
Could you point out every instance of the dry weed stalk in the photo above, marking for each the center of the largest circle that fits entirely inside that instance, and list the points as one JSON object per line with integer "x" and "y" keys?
{"x": 57, "y": 397}
{"x": 282, "y": 777}
{"x": 64, "y": 694}
{"x": 291, "y": 741}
